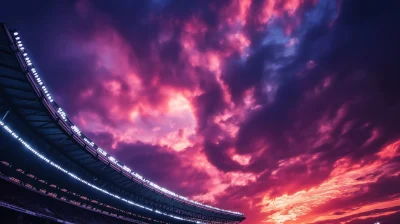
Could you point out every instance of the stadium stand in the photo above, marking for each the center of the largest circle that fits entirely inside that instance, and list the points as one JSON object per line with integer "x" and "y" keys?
{"x": 51, "y": 171}
{"x": 52, "y": 202}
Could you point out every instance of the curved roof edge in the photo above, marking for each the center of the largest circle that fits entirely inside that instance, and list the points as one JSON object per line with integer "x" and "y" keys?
{"x": 57, "y": 111}
{"x": 42, "y": 157}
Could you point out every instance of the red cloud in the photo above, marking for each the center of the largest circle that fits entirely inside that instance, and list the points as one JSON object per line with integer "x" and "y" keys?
{"x": 255, "y": 106}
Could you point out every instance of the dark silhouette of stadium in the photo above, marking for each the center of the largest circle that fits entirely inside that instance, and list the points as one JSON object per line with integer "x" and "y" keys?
{"x": 50, "y": 172}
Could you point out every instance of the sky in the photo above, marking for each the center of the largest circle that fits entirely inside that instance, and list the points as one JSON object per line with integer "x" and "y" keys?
{"x": 284, "y": 110}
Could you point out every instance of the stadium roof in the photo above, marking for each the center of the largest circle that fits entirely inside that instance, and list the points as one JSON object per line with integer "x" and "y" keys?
{"x": 33, "y": 110}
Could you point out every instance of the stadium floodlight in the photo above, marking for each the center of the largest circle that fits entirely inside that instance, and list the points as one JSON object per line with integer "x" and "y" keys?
{"x": 29, "y": 63}
{"x": 137, "y": 176}
{"x": 126, "y": 169}
{"x": 23, "y": 142}
{"x": 103, "y": 152}
{"x": 15, "y": 33}
{"x": 88, "y": 141}
{"x": 60, "y": 111}
{"x": 76, "y": 130}
{"x": 112, "y": 159}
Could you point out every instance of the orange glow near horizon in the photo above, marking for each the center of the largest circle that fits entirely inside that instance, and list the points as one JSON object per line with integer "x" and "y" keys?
{"x": 237, "y": 106}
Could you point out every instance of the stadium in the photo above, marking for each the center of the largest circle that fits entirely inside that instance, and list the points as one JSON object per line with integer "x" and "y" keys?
{"x": 50, "y": 172}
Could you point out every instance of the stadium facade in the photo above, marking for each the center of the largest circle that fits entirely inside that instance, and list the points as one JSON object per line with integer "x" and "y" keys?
{"x": 46, "y": 155}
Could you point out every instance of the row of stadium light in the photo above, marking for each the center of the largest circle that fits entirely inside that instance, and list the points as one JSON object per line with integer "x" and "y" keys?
{"x": 30, "y": 148}
{"x": 29, "y": 63}
{"x": 76, "y": 130}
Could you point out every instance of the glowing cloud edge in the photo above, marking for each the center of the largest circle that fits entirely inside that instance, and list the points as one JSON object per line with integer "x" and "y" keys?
{"x": 62, "y": 115}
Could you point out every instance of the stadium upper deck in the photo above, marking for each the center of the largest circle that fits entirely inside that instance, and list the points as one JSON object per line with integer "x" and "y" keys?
{"x": 27, "y": 108}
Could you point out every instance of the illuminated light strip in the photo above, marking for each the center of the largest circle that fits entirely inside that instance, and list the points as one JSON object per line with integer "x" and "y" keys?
{"x": 89, "y": 142}
{"x": 76, "y": 130}
{"x": 62, "y": 113}
{"x": 112, "y": 159}
{"x": 101, "y": 151}
{"x": 104, "y": 153}
{"x": 30, "y": 65}
{"x": 127, "y": 169}
{"x": 23, "y": 142}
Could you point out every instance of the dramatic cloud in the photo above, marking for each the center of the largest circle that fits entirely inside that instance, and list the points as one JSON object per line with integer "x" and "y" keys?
{"x": 285, "y": 110}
